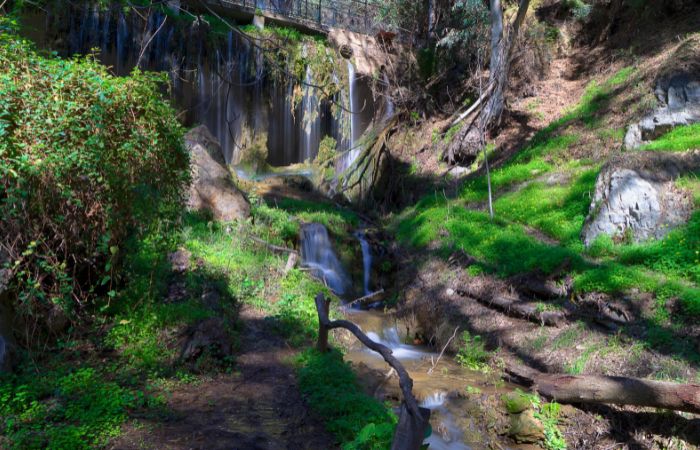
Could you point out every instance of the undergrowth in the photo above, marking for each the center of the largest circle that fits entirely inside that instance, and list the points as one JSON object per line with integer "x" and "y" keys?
{"x": 542, "y": 197}
{"x": 356, "y": 419}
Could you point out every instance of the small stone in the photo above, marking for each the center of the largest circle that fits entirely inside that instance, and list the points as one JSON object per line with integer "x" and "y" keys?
{"x": 450, "y": 292}
{"x": 180, "y": 260}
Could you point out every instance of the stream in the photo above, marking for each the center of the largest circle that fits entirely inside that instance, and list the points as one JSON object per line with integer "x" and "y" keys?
{"x": 443, "y": 389}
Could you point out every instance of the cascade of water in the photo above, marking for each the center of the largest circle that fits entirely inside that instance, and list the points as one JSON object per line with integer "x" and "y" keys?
{"x": 223, "y": 83}
{"x": 390, "y": 338}
{"x": 311, "y": 130}
{"x": 317, "y": 254}
{"x": 353, "y": 105}
{"x": 388, "y": 104}
{"x": 366, "y": 261}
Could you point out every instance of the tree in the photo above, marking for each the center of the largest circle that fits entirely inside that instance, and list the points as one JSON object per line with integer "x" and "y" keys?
{"x": 488, "y": 109}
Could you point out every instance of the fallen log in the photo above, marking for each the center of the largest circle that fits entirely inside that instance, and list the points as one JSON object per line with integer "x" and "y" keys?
{"x": 515, "y": 308}
{"x": 369, "y": 296}
{"x": 413, "y": 420}
{"x": 543, "y": 288}
{"x": 610, "y": 390}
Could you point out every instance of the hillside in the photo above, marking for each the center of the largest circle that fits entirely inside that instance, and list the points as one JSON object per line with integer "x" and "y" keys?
{"x": 183, "y": 184}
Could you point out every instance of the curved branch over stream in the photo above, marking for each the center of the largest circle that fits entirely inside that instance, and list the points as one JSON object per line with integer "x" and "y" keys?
{"x": 413, "y": 419}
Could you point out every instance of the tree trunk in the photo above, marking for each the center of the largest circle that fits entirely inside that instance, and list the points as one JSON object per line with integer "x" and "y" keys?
{"x": 468, "y": 140}
{"x": 611, "y": 390}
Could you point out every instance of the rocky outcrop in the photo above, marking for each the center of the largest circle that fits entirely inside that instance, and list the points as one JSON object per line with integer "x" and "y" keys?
{"x": 212, "y": 187}
{"x": 678, "y": 91}
{"x": 636, "y": 197}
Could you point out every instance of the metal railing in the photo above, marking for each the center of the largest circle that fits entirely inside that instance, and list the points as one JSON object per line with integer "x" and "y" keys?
{"x": 355, "y": 15}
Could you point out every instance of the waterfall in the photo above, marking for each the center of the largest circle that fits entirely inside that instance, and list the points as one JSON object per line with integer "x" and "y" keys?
{"x": 318, "y": 255}
{"x": 353, "y": 150}
{"x": 366, "y": 261}
{"x": 311, "y": 130}
{"x": 353, "y": 105}
{"x": 218, "y": 80}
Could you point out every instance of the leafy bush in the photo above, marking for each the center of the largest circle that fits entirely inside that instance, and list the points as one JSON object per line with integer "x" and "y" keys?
{"x": 472, "y": 353}
{"x": 60, "y": 410}
{"x": 86, "y": 160}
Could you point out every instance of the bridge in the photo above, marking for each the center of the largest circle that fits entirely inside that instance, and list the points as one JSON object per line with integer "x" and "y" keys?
{"x": 319, "y": 16}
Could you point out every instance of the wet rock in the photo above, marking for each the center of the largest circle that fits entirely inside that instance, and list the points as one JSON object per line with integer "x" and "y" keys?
{"x": 637, "y": 198}
{"x": 526, "y": 428}
{"x": 207, "y": 335}
{"x": 212, "y": 187}
{"x": 180, "y": 260}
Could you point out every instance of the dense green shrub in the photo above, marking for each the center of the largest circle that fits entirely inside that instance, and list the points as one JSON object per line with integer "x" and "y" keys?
{"x": 86, "y": 160}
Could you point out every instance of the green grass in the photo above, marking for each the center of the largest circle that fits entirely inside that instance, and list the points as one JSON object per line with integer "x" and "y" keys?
{"x": 357, "y": 420}
{"x": 526, "y": 200}
{"x": 472, "y": 352}
{"x": 680, "y": 139}
{"x": 80, "y": 399}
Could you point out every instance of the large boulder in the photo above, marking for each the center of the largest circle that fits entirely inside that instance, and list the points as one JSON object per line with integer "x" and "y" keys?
{"x": 636, "y": 197}
{"x": 212, "y": 187}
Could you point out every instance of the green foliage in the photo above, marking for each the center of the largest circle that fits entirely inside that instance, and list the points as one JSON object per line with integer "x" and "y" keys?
{"x": 472, "y": 353}
{"x": 86, "y": 160}
{"x": 548, "y": 413}
{"x": 66, "y": 408}
{"x": 295, "y": 312}
{"x": 337, "y": 220}
{"x": 679, "y": 139}
{"x": 356, "y": 419}
{"x": 578, "y": 8}
{"x": 326, "y": 152}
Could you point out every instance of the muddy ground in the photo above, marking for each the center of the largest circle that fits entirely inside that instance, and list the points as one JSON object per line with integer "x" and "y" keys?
{"x": 259, "y": 407}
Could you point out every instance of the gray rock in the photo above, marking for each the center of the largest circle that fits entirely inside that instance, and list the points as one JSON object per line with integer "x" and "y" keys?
{"x": 207, "y": 335}
{"x": 180, "y": 260}
{"x": 679, "y": 95}
{"x": 637, "y": 196}
{"x": 212, "y": 187}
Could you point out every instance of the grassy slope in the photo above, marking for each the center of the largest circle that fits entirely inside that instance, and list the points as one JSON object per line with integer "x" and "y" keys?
{"x": 126, "y": 363}
{"x": 545, "y": 190}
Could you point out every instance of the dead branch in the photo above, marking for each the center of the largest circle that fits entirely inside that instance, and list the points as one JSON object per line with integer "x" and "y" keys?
{"x": 413, "y": 420}
{"x": 515, "y": 308}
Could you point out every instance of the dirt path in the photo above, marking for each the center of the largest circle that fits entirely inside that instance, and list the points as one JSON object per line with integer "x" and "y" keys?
{"x": 259, "y": 407}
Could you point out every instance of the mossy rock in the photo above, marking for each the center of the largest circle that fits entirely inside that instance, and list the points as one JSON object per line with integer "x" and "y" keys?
{"x": 516, "y": 402}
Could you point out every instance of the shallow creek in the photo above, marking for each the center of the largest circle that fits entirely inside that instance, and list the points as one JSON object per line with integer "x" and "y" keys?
{"x": 457, "y": 416}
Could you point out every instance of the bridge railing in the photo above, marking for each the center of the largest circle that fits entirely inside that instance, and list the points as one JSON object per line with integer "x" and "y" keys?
{"x": 355, "y": 15}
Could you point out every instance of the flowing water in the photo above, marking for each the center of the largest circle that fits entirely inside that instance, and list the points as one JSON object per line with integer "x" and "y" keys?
{"x": 366, "y": 261}
{"x": 217, "y": 79}
{"x": 439, "y": 385}
{"x": 317, "y": 254}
